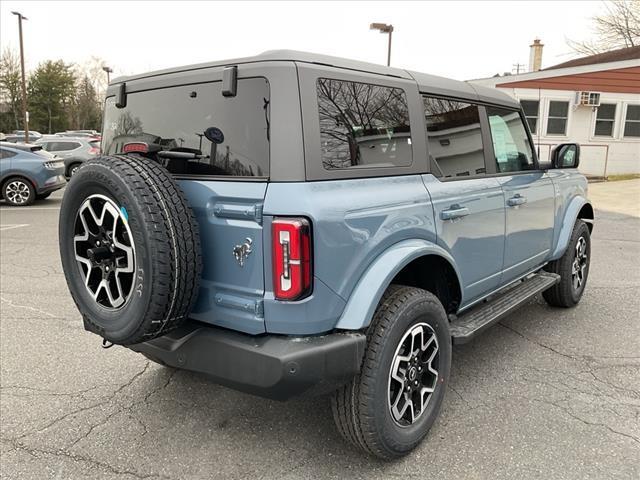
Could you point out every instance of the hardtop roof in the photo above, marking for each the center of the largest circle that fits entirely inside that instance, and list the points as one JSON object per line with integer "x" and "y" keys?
{"x": 426, "y": 83}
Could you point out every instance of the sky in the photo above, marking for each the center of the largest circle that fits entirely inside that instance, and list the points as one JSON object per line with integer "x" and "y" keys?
{"x": 460, "y": 40}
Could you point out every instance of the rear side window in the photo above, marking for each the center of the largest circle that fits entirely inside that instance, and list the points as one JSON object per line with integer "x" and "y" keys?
{"x": 61, "y": 146}
{"x": 455, "y": 138}
{"x": 511, "y": 144}
{"x": 363, "y": 125}
{"x": 6, "y": 153}
{"x": 175, "y": 119}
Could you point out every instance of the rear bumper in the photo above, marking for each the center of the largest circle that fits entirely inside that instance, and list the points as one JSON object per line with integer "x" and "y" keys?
{"x": 52, "y": 183}
{"x": 271, "y": 366}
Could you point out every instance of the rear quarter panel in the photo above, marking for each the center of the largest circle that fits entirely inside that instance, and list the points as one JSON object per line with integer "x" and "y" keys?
{"x": 353, "y": 222}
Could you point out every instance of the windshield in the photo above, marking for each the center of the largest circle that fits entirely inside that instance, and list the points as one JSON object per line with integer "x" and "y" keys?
{"x": 207, "y": 133}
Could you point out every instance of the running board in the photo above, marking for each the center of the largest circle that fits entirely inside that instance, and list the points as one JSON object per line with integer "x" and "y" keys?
{"x": 469, "y": 324}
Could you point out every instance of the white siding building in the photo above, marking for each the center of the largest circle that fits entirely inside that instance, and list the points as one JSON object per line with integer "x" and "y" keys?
{"x": 594, "y": 101}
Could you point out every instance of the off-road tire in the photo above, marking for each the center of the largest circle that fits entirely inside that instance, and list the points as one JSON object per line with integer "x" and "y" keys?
{"x": 563, "y": 294}
{"x": 165, "y": 234}
{"x": 360, "y": 409}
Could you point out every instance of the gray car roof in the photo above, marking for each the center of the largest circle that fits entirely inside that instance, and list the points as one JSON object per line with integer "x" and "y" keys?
{"x": 427, "y": 83}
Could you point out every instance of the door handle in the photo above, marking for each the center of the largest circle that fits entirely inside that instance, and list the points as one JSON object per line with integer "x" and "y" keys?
{"x": 453, "y": 212}
{"x": 516, "y": 200}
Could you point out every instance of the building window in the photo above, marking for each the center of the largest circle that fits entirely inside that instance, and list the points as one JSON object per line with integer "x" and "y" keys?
{"x": 557, "y": 122}
{"x": 531, "y": 110}
{"x": 632, "y": 121}
{"x": 605, "y": 118}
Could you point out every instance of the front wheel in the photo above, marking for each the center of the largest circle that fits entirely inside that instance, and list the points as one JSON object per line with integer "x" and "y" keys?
{"x": 573, "y": 268}
{"x": 390, "y": 406}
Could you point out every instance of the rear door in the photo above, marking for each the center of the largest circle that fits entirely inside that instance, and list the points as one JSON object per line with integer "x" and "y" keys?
{"x": 528, "y": 194}
{"x": 468, "y": 205}
{"x": 225, "y": 180}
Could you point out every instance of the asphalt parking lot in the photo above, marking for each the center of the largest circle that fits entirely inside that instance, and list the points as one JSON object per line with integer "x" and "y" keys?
{"x": 548, "y": 393}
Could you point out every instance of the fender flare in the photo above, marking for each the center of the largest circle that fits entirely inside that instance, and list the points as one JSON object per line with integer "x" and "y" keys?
{"x": 366, "y": 295}
{"x": 569, "y": 220}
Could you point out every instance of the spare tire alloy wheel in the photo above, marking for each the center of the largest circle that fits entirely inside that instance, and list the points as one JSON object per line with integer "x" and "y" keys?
{"x": 105, "y": 251}
{"x": 413, "y": 376}
{"x": 130, "y": 249}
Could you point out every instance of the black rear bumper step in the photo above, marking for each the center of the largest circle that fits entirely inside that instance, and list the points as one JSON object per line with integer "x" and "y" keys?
{"x": 272, "y": 366}
{"x": 468, "y": 325}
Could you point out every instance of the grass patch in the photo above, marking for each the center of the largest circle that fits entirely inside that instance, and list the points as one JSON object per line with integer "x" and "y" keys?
{"x": 627, "y": 176}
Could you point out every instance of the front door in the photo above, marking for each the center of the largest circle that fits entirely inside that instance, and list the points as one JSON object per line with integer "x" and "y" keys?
{"x": 528, "y": 195}
{"x": 468, "y": 206}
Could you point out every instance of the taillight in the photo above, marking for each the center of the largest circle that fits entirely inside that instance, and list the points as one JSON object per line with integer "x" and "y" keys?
{"x": 135, "y": 147}
{"x": 94, "y": 151}
{"x": 291, "y": 244}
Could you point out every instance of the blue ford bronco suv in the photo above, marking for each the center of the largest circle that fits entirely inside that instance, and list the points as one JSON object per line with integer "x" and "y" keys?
{"x": 295, "y": 223}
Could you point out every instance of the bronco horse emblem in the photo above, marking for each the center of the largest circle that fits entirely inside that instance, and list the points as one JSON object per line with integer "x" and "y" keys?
{"x": 241, "y": 252}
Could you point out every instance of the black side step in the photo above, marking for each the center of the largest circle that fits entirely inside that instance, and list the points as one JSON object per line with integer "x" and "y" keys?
{"x": 468, "y": 325}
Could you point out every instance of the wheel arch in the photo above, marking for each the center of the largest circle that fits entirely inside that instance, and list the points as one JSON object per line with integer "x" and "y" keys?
{"x": 579, "y": 208}
{"x": 12, "y": 175}
{"x": 416, "y": 263}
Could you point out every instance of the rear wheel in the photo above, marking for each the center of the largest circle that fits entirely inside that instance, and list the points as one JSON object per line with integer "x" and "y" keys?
{"x": 18, "y": 191}
{"x": 573, "y": 268}
{"x": 390, "y": 406}
{"x": 73, "y": 169}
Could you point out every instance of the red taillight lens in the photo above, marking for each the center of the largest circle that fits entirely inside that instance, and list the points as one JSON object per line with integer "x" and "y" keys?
{"x": 291, "y": 244}
{"x": 94, "y": 151}
{"x": 135, "y": 147}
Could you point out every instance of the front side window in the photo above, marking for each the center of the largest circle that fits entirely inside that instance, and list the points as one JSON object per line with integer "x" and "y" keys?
{"x": 557, "y": 121}
{"x": 363, "y": 125}
{"x": 531, "y": 109}
{"x": 194, "y": 129}
{"x": 511, "y": 144}
{"x": 632, "y": 121}
{"x": 455, "y": 138}
{"x": 605, "y": 119}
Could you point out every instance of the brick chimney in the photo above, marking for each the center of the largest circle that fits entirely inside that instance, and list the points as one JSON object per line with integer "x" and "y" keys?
{"x": 535, "y": 55}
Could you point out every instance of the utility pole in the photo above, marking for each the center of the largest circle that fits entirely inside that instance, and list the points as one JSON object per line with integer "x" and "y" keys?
{"x": 516, "y": 67}
{"x": 384, "y": 28}
{"x": 25, "y": 114}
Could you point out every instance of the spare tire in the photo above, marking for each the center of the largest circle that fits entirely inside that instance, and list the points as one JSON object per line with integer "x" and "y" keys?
{"x": 130, "y": 248}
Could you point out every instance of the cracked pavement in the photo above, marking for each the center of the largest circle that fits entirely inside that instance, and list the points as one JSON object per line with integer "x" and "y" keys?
{"x": 547, "y": 393}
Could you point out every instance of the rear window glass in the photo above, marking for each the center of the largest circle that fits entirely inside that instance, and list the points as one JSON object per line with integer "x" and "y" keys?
{"x": 363, "y": 125}
{"x": 175, "y": 120}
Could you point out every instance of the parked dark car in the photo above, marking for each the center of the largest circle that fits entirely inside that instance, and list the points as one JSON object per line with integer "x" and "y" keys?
{"x": 28, "y": 173}
{"x": 73, "y": 150}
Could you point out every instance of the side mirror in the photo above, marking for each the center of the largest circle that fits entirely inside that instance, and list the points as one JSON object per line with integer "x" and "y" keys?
{"x": 566, "y": 155}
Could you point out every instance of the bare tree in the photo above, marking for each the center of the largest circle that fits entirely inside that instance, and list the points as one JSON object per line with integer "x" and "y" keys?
{"x": 10, "y": 89}
{"x": 617, "y": 27}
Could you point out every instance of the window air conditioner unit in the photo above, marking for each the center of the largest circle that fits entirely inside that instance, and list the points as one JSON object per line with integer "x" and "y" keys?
{"x": 589, "y": 99}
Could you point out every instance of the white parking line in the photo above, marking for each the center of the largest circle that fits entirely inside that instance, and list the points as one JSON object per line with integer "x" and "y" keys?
{"x": 12, "y": 226}
{"x": 21, "y": 209}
